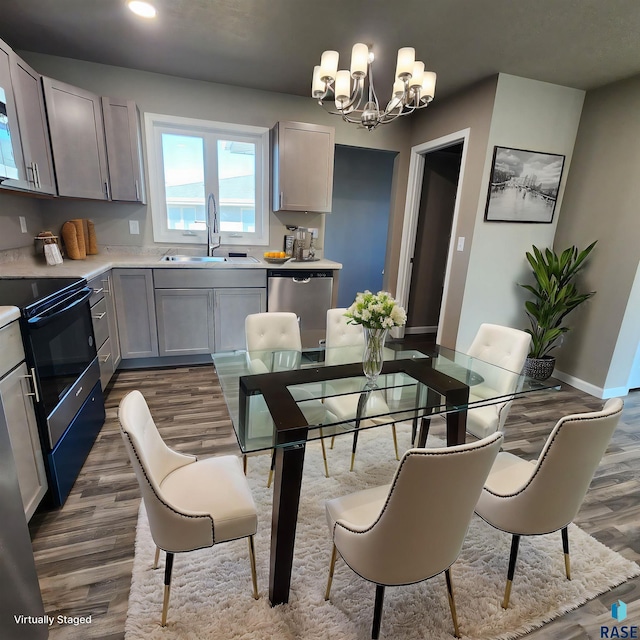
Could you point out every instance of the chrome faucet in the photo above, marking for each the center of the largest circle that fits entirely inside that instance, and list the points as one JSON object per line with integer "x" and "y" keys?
{"x": 213, "y": 225}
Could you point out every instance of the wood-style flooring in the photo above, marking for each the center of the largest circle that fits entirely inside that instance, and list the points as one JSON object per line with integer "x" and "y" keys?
{"x": 84, "y": 551}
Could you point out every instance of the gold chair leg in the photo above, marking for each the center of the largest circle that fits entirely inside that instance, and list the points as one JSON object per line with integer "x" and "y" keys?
{"x": 244, "y": 464}
{"x": 353, "y": 460}
{"x": 254, "y": 577}
{"x": 565, "y": 548}
{"x": 273, "y": 461}
{"x": 395, "y": 440}
{"x": 270, "y": 478}
{"x": 507, "y": 595}
{"x": 324, "y": 455}
{"x": 168, "y": 567}
{"x": 452, "y": 603}
{"x": 332, "y": 565}
{"x": 157, "y": 558}
{"x": 333, "y": 439}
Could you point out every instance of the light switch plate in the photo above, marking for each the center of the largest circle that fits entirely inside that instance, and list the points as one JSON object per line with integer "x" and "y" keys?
{"x": 23, "y": 224}
{"x": 460, "y": 243}
{"x": 134, "y": 227}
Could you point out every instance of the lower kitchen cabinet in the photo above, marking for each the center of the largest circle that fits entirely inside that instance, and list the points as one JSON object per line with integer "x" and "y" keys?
{"x": 136, "y": 312}
{"x": 231, "y": 307}
{"x": 185, "y": 321}
{"x": 105, "y": 328}
{"x": 19, "y": 413}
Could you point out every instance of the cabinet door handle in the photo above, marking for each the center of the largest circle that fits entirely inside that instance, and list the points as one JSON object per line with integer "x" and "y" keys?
{"x": 106, "y": 190}
{"x": 30, "y": 167}
{"x": 35, "y": 393}
{"x": 107, "y": 291}
{"x": 105, "y": 358}
{"x": 37, "y": 174}
{"x": 100, "y": 316}
{"x": 100, "y": 290}
{"x": 281, "y": 198}
{"x": 137, "y": 190}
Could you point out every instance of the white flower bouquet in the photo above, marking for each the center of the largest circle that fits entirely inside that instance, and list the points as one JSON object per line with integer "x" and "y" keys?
{"x": 376, "y": 311}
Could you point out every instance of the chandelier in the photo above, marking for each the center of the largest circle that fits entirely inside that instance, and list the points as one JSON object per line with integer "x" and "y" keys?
{"x": 413, "y": 88}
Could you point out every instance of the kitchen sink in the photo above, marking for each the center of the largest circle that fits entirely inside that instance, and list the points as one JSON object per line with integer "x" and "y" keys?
{"x": 214, "y": 259}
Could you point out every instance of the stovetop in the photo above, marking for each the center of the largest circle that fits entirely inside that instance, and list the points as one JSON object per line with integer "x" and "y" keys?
{"x": 26, "y": 292}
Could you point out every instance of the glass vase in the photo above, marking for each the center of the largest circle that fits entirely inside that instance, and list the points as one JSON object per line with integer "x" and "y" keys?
{"x": 373, "y": 355}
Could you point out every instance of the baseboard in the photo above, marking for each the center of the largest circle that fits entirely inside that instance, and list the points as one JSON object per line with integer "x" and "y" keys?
{"x": 412, "y": 330}
{"x": 591, "y": 389}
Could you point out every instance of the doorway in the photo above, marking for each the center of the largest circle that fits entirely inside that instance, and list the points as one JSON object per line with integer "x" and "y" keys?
{"x": 433, "y": 235}
{"x": 409, "y": 245}
{"x": 356, "y": 230}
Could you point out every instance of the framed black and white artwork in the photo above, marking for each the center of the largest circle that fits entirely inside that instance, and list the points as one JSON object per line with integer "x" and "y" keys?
{"x": 523, "y": 186}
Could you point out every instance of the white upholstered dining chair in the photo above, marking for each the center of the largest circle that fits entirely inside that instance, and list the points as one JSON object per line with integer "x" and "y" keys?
{"x": 413, "y": 529}
{"x": 533, "y": 498}
{"x": 506, "y": 348}
{"x": 191, "y": 504}
{"x": 344, "y": 344}
{"x": 274, "y": 344}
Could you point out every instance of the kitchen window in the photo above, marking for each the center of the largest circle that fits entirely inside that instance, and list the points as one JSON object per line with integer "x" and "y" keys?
{"x": 189, "y": 160}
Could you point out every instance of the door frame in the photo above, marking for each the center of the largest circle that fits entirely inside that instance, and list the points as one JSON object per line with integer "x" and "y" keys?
{"x": 411, "y": 214}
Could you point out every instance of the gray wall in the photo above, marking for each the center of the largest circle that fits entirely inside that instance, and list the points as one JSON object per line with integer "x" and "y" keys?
{"x": 601, "y": 203}
{"x": 11, "y": 207}
{"x": 470, "y": 109}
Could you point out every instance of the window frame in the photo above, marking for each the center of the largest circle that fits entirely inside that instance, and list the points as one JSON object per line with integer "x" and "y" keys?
{"x": 155, "y": 125}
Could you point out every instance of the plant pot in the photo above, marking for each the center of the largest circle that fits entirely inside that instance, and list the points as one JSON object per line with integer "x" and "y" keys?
{"x": 539, "y": 368}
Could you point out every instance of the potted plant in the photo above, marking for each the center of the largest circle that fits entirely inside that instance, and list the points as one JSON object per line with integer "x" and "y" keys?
{"x": 555, "y": 295}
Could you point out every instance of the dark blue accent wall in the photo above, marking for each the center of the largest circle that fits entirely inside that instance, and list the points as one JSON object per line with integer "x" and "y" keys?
{"x": 356, "y": 229}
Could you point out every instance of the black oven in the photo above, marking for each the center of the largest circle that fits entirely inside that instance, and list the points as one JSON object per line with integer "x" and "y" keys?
{"x": 61, "y": 354}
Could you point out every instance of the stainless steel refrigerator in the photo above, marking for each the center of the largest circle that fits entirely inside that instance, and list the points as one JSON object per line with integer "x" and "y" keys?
{"x": 21, "y": 609}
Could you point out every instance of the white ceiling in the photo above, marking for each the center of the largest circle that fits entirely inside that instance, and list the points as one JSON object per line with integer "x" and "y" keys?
{"x": 274, "y": 44}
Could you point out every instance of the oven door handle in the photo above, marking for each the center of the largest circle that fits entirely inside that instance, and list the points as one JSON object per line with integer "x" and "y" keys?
{"x": 69, "y": 303}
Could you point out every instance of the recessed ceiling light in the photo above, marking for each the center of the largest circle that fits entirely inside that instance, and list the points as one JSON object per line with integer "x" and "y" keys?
{"x": 143, "y": 9}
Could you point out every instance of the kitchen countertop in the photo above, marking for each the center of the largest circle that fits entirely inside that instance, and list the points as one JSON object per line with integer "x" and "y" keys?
{"x": 8, "y": 314}
{"x": 93, "y": 266}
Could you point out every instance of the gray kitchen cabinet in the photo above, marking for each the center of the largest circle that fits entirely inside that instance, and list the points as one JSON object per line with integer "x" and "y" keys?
{"x": 104, "y": 327}
{"x": 185, "y": 321}
{"x": 203, "y": 310}
{"x": 77, "y": 140}
{"x": 302, "y": 167}
{"x": 136, "y": 313}
{"x": 34, "y": 130}
{"x": 124, "y": 149}
{"x": 231, "y": 307}
{"x": 106, "y": 279}
{"x": 11, "y": 161}
{"x": 16, "y": 404}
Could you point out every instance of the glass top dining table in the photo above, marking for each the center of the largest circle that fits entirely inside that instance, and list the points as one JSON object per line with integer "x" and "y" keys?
{"x": 281, "y": 399}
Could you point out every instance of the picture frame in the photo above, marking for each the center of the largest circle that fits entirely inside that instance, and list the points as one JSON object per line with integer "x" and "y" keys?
{"x": 523, "y": 186}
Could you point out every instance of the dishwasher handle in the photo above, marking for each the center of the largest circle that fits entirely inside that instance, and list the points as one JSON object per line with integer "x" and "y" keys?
{"x": 301, "y": 280}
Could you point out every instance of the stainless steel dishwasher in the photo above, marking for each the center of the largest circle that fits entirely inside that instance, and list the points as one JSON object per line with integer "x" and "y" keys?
{"x": 305, "y": 293}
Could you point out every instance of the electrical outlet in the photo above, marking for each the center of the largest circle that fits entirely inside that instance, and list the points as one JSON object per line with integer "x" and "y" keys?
{"x": 23, "y": 224}
{"x": 460, "y": 243}
{"x": 134, "y": 227}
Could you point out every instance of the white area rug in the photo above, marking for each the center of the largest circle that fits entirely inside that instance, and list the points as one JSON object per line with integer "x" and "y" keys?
{"x": 211, "y": 588}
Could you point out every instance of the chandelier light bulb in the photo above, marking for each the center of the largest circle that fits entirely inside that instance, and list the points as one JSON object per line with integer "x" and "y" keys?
{"x": 342, "y": 88}
{"x": 417, "y": 75}
{"x": 429, "y": 86}
{"x": 317, "y": 85}
{"x": 359, "y": 60}
{"x": 406, "y": 59}
{"x": 329, "y": 65}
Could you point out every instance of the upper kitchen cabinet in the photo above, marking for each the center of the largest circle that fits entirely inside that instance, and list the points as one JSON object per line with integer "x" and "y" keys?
{"x": 124, "y": 149}
{"x": 77, "y": 140}
{"x": 34, "y": 130}
{"x": 12, "y": 170}
{"x": 302, "y": 167}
